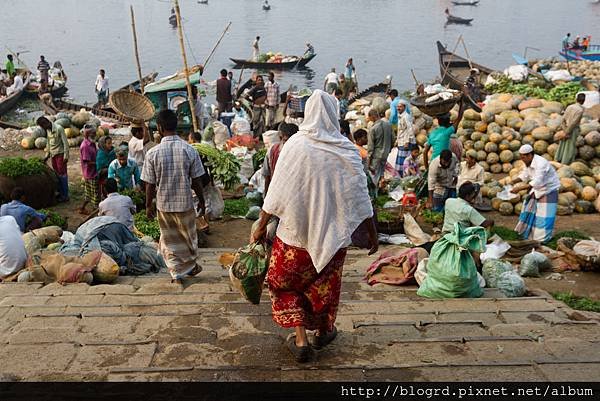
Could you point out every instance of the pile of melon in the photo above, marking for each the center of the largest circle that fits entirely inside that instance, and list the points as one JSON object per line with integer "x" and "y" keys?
{"x": 34, "y": 137}
{"x": 578, "y": 193}
{"x": 509, "y": 121}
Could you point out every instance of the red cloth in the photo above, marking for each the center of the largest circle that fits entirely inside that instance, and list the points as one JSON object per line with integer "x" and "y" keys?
{"x": 275, "y": 152}
{"x": 59, "y": 165}
{"x": 300, "y": 296}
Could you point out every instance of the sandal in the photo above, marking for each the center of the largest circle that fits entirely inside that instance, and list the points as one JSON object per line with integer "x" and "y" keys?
{"x": 302, "y": 354}
{"x": 197, "y": 269}
{"x": 324, "y": 340}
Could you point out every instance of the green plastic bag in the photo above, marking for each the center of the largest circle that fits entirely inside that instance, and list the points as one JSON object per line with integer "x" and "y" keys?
{"x": 451, "y": 271}
{"x": 249, "y": 270}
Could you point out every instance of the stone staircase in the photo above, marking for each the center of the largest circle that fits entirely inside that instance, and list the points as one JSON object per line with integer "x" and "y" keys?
{"x": 145, "y": 328}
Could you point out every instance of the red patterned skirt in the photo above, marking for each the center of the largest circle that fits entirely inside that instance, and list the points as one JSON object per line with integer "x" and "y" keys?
{"x": 300, "y": 296}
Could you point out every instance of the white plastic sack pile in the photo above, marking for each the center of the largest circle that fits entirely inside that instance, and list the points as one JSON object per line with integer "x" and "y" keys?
{"x": 245, "y": 158}
{"x": 517, "y": 73}
{"x": 496, "y": 250}
{"x": 240, "y": 126}
{"x": 221, "y": 134}
{"x": 558, "y": 75}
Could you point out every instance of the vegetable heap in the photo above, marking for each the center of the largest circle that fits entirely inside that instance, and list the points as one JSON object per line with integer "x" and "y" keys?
{"x": 53, "y": 219}
{"x": 18, "y": 167}
{"x": 563, "y": 93}
{"x": 431, "y": 217}
{"x": 224, "y": 166}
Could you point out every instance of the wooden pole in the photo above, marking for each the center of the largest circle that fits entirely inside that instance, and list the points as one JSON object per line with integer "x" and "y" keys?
{"x": 135, "y": 50}
{"x": 466, "y": 52}
{"x": 239, "y": 82}
{"x": 447, "y": 66}
{"x": 216, "y": 45}
{"x": 185, "y": 66}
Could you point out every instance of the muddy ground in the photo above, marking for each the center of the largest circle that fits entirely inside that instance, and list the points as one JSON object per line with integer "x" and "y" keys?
{"x": 234, "y": 233}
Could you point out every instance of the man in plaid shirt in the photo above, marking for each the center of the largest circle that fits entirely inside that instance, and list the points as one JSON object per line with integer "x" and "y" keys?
{"x": 272, "y": 102}
{"x": 171, "y": 171}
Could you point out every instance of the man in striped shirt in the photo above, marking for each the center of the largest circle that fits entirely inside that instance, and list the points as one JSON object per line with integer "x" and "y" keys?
{"x": 272, "y": 102}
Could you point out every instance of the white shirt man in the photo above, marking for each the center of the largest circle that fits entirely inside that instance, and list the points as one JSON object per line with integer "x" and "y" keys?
{"x": 101, "y": 83}
{"x": 118, "y": 206}
{"x": 541, "y": 176}
{"x": 17, "y": 85}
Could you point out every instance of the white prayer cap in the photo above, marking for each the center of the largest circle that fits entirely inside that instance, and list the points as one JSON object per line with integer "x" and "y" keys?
{"x": 525, "y": 149}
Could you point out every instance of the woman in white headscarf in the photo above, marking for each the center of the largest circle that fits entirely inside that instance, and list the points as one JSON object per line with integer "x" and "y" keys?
{"x": 319, "y": 193}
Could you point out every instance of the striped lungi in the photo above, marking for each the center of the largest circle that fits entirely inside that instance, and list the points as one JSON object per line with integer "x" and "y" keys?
{"x": 178, "y": 243}
{"x": 403, "y": 153}
{"x": 537, "y": 218}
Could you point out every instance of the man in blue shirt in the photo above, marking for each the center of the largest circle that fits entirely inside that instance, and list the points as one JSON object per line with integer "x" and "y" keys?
{"x": 125, "y": 171}
{"x": 394, "y": 108}
{"x": 27, "y": 218}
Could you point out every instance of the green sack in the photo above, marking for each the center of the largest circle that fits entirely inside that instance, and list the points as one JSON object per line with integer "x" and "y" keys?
{"x": 249, "y": 270}
{"x": 451, "y": 271}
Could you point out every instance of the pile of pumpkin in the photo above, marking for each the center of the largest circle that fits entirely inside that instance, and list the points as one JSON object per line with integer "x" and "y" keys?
{"x": 509, "y": 121}
{"x": 34, "y": 137}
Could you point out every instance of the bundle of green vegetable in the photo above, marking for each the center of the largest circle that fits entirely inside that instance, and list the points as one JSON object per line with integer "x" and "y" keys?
{"x": 53, "y": 219}
{"x": 236, "y": 207}
{"x": 223, "y": 165}
{"x": 138, "y": 198}
{"x": 258, "y": 158}
{"x": 564, "y": 93}
{"x": 147, "y": 227}
{"x": 431, "y": 217}
{"x": 17, "y": 166}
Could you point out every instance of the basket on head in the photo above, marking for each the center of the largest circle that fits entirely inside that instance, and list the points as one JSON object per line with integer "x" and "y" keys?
{"x": 435, "y": 108}
{"x": 132, "y": 105}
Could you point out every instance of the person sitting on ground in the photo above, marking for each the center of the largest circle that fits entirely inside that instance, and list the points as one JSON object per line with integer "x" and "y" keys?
{"x": 88, "y": 153}
{"x": 18, "y": 84}
{"x": 471, "y": 171}
{"x": 27, "y": 218}
{"x": 13, "y": 256}
{"x": 440, "y": 138}
{"x": 441, "y": 180}
{"x": 116, "y": 205}
{"x": 410, "y": 168}
{"x": 268, "y": 169}
{"x": 125, "y": 171}
{"x": 460, "y": 210}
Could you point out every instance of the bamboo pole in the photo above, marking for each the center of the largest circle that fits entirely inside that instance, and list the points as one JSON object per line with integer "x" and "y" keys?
{"x": 466, "y": 52}
{"x": 185, "y": 66}
{"x": 135, "y": 50}
{"x": 216, "y": 45}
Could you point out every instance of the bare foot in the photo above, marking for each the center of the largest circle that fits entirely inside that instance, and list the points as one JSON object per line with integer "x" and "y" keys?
{"x": 83, "y": 212}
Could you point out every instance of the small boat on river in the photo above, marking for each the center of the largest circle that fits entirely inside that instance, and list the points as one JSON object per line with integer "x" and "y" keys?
{"x": 299, "y": 62}
{"x": 57, "y": 82}
{"x": 7, "y": 103}
{"x": 465, "y": 3}
{"x": 457, "y": 20}
{"x": 592, "y": 53}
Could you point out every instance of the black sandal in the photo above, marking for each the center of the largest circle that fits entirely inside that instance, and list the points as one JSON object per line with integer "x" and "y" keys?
{"x": 322, "y": 341}
{"x": 196, "y": 270}
{"x": 302, "y": 354}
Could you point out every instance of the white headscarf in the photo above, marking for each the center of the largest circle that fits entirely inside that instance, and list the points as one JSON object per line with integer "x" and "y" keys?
{"x": 319, "y": 189}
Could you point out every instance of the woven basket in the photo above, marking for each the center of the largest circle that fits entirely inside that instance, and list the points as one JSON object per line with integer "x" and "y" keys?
{"x": 132, "y": 105}
{"x": 435, "y": 108}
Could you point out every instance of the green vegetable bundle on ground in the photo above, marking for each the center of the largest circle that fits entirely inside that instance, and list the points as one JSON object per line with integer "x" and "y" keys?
{"x": 17, "y": 166}
{"x": 147, "y": 227}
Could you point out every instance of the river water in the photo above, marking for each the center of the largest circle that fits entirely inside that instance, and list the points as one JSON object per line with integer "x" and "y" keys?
{"x": 385, "y": 37}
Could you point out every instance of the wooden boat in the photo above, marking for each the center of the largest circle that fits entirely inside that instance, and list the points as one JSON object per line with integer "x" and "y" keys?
{"x": 455, "y": 69}
{"x": 62, "y": 105}
{"x": 465, "y": 3}
{"x": 381, "y": 87}
{"x": 58, "y": 86}
{"x": 591, "y": 54}
{"x": 173, "y": 20}
{"x": 300, "y": 63}
{"x": 457, "y": 20}
{"x": 202, "y": 1}
{"x": 266, "y": 7}
{"x": 9, "y": 102}
{"x": 135, "y": 85}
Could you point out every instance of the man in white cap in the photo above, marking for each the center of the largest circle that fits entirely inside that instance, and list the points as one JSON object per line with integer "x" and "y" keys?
{"x": 539, "y": 208}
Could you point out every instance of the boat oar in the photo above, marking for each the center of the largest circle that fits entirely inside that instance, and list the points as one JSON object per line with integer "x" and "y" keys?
{"x": 466, "y": 52}
{"x": 414, "y": 76}
{"x": 216, "y": 45}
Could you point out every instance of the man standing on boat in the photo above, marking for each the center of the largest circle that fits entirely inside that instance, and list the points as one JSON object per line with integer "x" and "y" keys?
{"x": 310, "y": 51}
{"x": 43, "y": 67}
{"x": 10, "y": 67}
{"x": 101, "y": 88}
{"x": 272, "y": 102}
{"x": 565, "y": 41}
{"x": 255, "y": 49}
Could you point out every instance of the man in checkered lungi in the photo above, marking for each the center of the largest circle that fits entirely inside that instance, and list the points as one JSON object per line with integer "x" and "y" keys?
{"x": 539, "y": 210}
{"x": 87, "y": 153}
